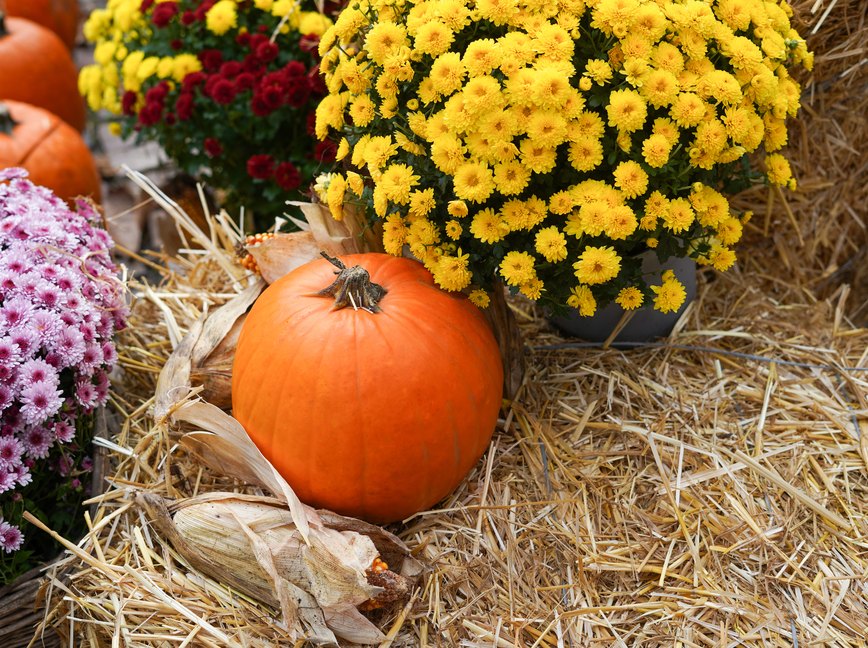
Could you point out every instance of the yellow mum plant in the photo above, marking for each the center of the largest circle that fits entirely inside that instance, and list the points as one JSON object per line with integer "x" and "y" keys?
{"x": 549, "y": 143}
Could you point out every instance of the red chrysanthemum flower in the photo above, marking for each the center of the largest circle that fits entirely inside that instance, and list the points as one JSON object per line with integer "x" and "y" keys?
{"x": 287, "y": 176}
{"x": 163, "y": 14}
{"x": 213, "y": 148}
{"x": 260, "y": 167}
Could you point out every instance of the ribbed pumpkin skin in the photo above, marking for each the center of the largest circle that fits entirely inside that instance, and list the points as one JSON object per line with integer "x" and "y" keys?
{"x": 60, "y": 16}
{"x": 376, "y": 416}
{"x": 51, "y": 150}
{"x": 36, "y": 68}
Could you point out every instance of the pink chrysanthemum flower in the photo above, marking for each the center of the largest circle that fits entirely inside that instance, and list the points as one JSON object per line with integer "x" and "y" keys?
{"x": 11, "y": 537}
{"x": 61, "y": 304}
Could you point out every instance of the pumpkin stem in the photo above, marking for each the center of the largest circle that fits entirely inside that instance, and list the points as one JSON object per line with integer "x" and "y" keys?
{"x": 6, "y": 121}
{"x": 353, "y": 287}
{"x": 3, "y": 30}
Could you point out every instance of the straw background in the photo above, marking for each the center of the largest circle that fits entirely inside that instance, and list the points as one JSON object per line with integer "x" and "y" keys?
{"x": 709, "y": 491}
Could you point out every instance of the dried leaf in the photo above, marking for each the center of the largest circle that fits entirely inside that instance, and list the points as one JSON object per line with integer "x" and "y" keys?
{"x": 350, "y": 235}
{"x": 222, "y": 320}
{"x": 283, "y": 253}
{"x": 173, "y": 383}
{"x": 350, "y": 624}
{"x": 240, "y": 453}
{"x": 389, "y": 547}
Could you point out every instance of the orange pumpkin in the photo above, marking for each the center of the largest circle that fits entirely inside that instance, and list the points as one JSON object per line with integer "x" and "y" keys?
{"x": 377, "y": 412}
{"x": 36, "y": 68}
{"x": 60, "y": 16}
{"x": 51, "y": 150}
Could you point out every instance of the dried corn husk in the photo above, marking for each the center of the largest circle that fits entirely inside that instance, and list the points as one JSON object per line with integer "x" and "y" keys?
{"x": 252, "y": 544}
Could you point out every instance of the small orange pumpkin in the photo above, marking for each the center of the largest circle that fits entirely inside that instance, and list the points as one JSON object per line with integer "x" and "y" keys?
{"x": 378, "y": 411}
{"x": 36, "y": 68}
{"x": 60, "y": 16}
{"x": 51, "y": 150}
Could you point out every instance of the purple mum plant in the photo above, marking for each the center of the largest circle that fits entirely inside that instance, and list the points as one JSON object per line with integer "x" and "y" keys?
{"x": 61, "y": 303}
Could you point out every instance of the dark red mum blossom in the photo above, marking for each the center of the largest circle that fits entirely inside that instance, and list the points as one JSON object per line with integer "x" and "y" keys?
{"x": 298, "y": 92}
{"x": 256, "y": 40}
{"x": 317, "y": 83}
{"x": 213, "y": 148}
{"x": 310, "y": 123}
{"x": 294, "y": 69}
{"x": 260, "y": 167}
{"x": 243, "y": 38}
{"x": 146, "y": 4}
{"x": 267, "y": 51}
{"x": 253, "y": 65}
{"x": 287, "y": 176}
{"x": 272, "y": 95}
{"x": 230, "y": 69}
{"x": 163, "y": 14}
{"x": 192, "y": 80}
{"x": 203, "y": 9}
{"x": 325, "y": 151}
{"x": 223, "y": 91}
{"x": 188, "y": 18}
{"x": 150, "y": 114}
{"x": 244, "y": 81}
{"x": 211, "y": 59}
{"x": 184, "y": 106}
{"x": 157, "y": 93}
{"x": 128, "y": 102}
{"x": 259, "y": 106}
{"x": 176, "y": 44}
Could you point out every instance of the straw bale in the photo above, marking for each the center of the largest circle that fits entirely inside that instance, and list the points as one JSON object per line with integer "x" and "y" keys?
{"x": 709, "y": 490}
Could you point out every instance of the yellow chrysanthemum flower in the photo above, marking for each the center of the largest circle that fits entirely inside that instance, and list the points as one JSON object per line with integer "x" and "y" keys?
{"x": 670, "y": 295}
{"x": 488, "y": 226}
{"x": 510, "y": 178}
{"x": 433, "y": 38}
{"x": 687, "y": 109}
{"x": 335, "y": 196}
{"x": 222, "y": 17}
{"x": 679, "y": 215}
{"x": 778, "y": 169}
{"x": 397, "y": 181}
{"x": 630, "y": 298}
{"x": 532, "y": 289}
{"x": 457, "y": 208}
{"x": 384, "y": 38}
{"x": 582, "y": 299}
{"x": 362, "y": 110}
{"x": 620, "y": 222}
{"x": 452, "y": 273}
{"x": 517, "y": 268}
{"x": 597, "y": 265}
{"x": 481, "y": 57}
{"x": 499, "y": 12}
{"x": 447, "y": 73}
{"x": 656, "y": 150}
{"x": 551, "y": 244}
{"x": 453, "y": 229}
{"x": 631, "y": 178}
{"x": 722, "y": 258}
{"x": 626, "y": 110}
{"x": 479, "y": 298}
{"x": 394, "y": 234}
{"x": 421, "y": 202}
